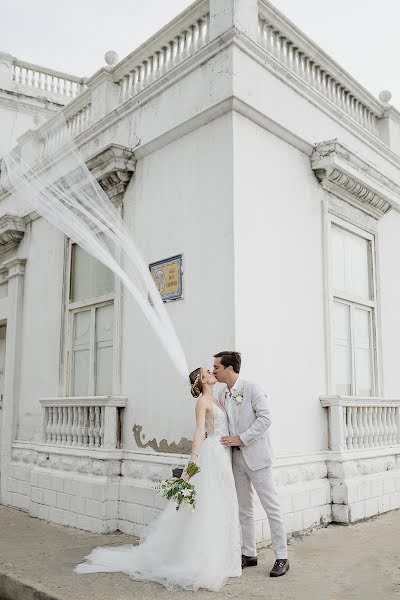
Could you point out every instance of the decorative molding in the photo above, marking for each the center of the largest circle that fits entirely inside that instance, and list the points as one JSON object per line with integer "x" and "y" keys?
{"x": 354, "y": 180}
{"x": 113, "y": 168}
{"x": 12, "y": 230}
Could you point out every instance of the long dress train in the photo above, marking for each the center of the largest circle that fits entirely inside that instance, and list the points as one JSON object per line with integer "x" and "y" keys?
{"x": 185, "y": 549}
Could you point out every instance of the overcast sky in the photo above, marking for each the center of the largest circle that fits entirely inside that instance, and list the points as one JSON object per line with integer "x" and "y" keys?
{"x": 73, "y": 35}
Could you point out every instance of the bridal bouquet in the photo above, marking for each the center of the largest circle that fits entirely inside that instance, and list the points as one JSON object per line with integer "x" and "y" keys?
{"x": 179, "y": 489}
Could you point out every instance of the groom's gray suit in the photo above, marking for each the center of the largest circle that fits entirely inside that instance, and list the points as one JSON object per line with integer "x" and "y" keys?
{"x": 249, "y": 418}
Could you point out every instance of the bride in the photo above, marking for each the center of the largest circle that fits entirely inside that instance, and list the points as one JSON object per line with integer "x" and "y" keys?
{"x": 185, "y": 549}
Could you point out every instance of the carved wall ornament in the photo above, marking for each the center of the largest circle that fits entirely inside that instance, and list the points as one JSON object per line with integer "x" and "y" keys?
{"x": 113, "y": 168}
{"x": 344, "y": 174}
{"x": 12, "y": 229}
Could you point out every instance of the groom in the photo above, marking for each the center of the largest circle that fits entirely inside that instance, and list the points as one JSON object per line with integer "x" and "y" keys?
{"x": 249, "y": 419}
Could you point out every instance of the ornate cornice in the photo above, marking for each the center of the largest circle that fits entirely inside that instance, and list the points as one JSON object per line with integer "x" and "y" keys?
{"x": 113, "y": 168}
{"x": 12, "y": 229}
{"x": 347, "y": 176}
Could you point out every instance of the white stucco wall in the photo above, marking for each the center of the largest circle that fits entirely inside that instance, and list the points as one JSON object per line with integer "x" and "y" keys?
{"x": 43, "y": 246}
{"x": 389, "y": 270}
{"x": 279, "y": 283}
{"x": 180, "y": 201}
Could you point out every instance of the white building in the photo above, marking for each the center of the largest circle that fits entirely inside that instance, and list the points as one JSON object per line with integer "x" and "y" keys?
{"x": 232, "y": 139}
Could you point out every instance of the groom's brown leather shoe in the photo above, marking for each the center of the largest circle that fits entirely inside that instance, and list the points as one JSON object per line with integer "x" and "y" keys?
{"x": 249, "y": 561}
{"x": 280, "y": 567}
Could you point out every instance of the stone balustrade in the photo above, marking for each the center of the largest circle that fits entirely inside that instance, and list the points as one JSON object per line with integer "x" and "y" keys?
{"x": 362, "y": 423}
{"x": 168, "y": 48}
{"x": 47, "y": 80}
{"x": 302, "y": 57}
{"x": 83, "y": 422}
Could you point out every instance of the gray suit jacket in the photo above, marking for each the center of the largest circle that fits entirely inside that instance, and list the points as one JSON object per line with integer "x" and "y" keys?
{"x": 253, "y": 421}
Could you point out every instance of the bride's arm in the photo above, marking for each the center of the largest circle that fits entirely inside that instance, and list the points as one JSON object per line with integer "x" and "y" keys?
{"x": 199, "y": 433}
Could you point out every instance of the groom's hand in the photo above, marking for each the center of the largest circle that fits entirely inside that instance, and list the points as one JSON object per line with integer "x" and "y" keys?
{"x": 231, "y": 440}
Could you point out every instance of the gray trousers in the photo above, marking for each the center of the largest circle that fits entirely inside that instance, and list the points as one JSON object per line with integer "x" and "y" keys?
{"x": 263, "y": 483}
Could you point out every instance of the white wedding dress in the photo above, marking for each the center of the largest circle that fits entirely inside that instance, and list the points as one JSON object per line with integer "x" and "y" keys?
{"x": 188, "y": 549}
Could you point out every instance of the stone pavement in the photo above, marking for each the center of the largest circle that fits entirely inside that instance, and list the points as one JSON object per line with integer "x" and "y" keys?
{"x": 358, "y": 562}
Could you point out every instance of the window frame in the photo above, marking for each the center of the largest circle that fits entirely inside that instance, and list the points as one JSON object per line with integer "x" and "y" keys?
{"x": 70, "y": 308}
{"x": 372, "y": 305}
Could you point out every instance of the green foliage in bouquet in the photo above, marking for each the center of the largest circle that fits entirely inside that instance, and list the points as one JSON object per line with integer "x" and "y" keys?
{"x": 179, "y": 490}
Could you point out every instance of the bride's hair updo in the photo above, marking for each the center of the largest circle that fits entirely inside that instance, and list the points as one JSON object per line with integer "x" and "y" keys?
{"x": 195, "y": 382}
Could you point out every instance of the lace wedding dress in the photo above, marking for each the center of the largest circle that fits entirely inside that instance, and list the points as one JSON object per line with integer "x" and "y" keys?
{"x": 185, "y": 549}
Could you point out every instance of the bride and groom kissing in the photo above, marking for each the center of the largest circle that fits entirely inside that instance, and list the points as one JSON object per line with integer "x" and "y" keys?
{"x": 204, "y": 548}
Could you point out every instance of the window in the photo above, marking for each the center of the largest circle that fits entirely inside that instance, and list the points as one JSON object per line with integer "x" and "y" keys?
{"x": 91, "y": 326}
{"x": 353, "y": 310}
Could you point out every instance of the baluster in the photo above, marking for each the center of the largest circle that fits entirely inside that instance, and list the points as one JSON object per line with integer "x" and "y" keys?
{"x": 49, "y": 421}
{"x": 349, "y": 428}
{"x": 80, "y": 426}
{"x": 63, "y": 425}
{"x": 380, "y": 426}
{"x": 360, "y": 432}
{"x": 385, "y": 425}
{"x": 74, "y": 429}
{"x": 204, "y": 29}
{"x": 54, "y": 426}
{"x": 124, "y": 85}
{"x": 375, "y": 426}
{"x": 370, "y": 426}
{"x": 85, "y": 426}
{"x": 130, "y": 84}
{"x": 59, "y": 424}
{"x": 69, "y": 426}
{"x": 345, "y": 430}
{"x": 96, "y": 428}
{"x": 364, "y": 414}
{"x": 91, "y": 427}
{"x": 136, "y": 74}
{"x": 355, "y": 426}
{"x": 101, "y": 430}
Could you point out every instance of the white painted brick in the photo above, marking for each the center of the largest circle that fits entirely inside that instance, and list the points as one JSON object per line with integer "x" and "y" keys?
{"x": 357, "y": 511}
{"x": 395, "y": 500}
{"x": 113, "y": 490}
{"x": 127, "y": 493}
{"x": 377, "y": 486}
{"x": 94, "y": 508}
{"x": 97, "y": 491}
{"x": 145, "y": 496}
{"x": 110, "y": 525}
{"x": 326, "y": 513}
{"x": 34, "y": 509}
{"x": 339, "y": 491}
{"x": 21, "y": 472}
{"x": 19, "y": 501}
{"x": 12, "y": 484}
{"x": 69, "y": 486}
{"x": 371, "y": 507}
{"x": 340, "y": 513}
{"x": 301, "y": 500}
{"x": 111, "y": 509}
{"x": 57, "y": 515}
{"x": 71, "y": 519}
{"x": 24, "y": 488}
{"x": 37, "y": 495}
{"x": 298, "y": 521}
{"x": 321, "y": 496}
{"x": 311, "y": 517}
{"x": 34, "y": 477}
{"x": 289, "y": 518}
{"x": 389, "y": 484}
{"x": 49, "y": 497}
{"x": 43, "y": 511}
{"x": 56, "y": 484}
{"x": 44, "y": 480}
{"x": 160, "y": 502}
{"x": 63, "y": 501}
{"x": 78, "y": 504}
{"x": 397, "y": 479}
{"x": 364, "y": 488}
{"x": 384, "y": 503}
{"x": 89, "y": 523}
{"x": 285, "y": 499}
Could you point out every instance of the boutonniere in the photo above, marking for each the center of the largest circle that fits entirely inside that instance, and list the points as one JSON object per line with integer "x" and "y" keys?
{"x": 239, "y": 396}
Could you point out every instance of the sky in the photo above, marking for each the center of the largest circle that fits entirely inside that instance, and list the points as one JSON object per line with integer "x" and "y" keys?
{"x": 72, "y": 36}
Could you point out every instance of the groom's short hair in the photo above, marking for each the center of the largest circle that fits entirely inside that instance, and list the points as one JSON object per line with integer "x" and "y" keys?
{"x": 230, "y": 359}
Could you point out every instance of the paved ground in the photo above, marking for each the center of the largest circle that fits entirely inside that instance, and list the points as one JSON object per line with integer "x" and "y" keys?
{"x": 359, "y": 562}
